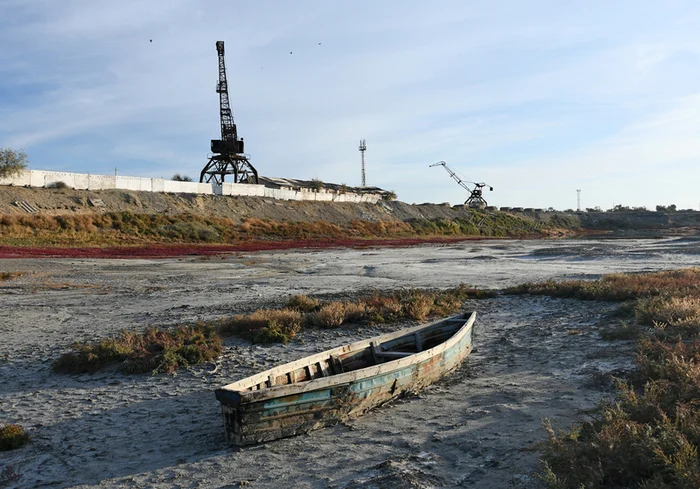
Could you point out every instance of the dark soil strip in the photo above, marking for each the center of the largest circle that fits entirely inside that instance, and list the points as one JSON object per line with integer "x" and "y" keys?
{"x": 167, "y": 251}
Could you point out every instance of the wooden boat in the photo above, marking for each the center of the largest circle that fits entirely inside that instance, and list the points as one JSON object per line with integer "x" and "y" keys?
{"x": 342, "y": 383}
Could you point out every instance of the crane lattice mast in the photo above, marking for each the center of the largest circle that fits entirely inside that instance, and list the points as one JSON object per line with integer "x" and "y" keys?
{"x": 476, "y": 198}
{"x": 229, "y": 157}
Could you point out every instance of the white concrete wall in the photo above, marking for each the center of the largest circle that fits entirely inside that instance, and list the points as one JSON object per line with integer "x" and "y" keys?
{"x": 240, "y": 189}
{"x": 24, "y": 179}
{"x": 85, "y": 181}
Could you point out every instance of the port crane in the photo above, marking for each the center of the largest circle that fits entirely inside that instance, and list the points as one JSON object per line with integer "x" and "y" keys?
{"x": 476, "y": 198}
{"x": 229, "y": 157}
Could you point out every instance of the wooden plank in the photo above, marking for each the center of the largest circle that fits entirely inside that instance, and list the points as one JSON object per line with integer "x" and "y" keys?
{"x": 394, "y": 354}
{"x": 337, "y": 364}
{"x": 373, "y": 349}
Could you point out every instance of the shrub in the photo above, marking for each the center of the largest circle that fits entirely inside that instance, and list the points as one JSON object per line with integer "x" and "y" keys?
{"x": 59, "y": 184}
{"x": 12, "y": 436}
{"x": 181, "y": 178}
{"x": 303, "y": 303}
{"x": 316, "y": 184}
{"x": 649, "y": 436}
{"x": 155, "y": 350}
{"x": 264, "y": 325}
{"x": 12, "y": 162}
{"x": 330, "y": 315}
{"x": 418, "y": 306}
{"x": 10, "y": 275}
{"x": 8, "y": 474}
{"x": 389, "y": 195}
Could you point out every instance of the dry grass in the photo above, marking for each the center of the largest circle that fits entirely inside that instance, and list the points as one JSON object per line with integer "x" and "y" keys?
{"x": 12, "y": 436}
{"x": 10, "y": 275}
{"x": 303, "y": 303}
{"x": 8, "y": 474}
{"x": 159, "y": 350}
{"x": 648, "y": 437}
{"x": 155, "y": 350}
{"x": 264, "y": 325}
{"x": 282, "y": 325}
{"x": 127, "y": 228}
{"x": 620, "y": 287}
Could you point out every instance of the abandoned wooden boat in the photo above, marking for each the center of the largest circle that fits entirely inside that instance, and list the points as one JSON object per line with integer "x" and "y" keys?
{"x": 342, "y": 383}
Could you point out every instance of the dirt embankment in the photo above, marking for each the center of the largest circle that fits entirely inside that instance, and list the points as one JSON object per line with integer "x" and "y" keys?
{"x": 69, "y": 201}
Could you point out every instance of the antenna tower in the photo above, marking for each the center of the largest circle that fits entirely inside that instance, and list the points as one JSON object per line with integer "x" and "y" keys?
{"x": 363, "y": 148}
{"x": 228, "y": 157}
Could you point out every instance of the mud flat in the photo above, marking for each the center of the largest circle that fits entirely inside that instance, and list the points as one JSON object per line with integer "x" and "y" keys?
{"x": 535, "y": 358}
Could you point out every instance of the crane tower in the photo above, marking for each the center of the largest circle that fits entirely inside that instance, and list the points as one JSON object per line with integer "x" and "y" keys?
{"x": 229, "y": 157}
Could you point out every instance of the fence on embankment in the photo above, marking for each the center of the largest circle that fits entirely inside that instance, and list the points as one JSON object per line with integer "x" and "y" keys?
{"x": 87, "y": 181}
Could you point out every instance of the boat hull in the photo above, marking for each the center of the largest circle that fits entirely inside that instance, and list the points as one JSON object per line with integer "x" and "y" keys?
{"x": 251, "y": 418}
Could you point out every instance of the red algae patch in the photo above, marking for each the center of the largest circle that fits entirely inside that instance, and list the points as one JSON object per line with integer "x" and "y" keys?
{"x": 167, "y": 251}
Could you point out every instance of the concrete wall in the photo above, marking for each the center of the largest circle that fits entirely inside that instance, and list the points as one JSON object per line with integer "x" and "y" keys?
{"x": 85, "y": 181}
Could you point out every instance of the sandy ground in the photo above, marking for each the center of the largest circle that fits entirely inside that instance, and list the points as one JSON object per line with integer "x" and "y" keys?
{"x": 535, "y": 358}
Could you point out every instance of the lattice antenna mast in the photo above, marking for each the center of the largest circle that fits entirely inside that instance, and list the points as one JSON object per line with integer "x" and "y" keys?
{"x": 363, "y": 148}
{"x": 229, "y": 157}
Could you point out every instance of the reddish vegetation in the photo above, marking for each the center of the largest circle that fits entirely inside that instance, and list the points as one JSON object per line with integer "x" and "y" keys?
{"x": 165, "y": 251}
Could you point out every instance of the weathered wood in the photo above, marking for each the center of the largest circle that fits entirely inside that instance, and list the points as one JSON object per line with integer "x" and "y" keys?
{"x": 394, "y": 354}
{"x": 337, "y": 364}
{"x": 297, "y": 406}
{"x": 373, "y": 350}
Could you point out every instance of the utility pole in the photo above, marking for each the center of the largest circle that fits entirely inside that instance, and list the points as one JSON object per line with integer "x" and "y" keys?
{"x": 578, "y": 200}
{"x": 363, "y": 148}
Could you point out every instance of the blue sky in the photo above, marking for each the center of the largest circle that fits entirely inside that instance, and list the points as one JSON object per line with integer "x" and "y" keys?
{"x": 536, "y": 98}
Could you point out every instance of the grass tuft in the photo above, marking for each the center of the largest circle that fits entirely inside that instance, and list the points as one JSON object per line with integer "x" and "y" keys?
{"x": 303, "y": 303}
{"x": 264, "y": 325}
{"x": 10, "y": 275}
{"x": 155, "y": 350}
{"x": 12, "y": 436}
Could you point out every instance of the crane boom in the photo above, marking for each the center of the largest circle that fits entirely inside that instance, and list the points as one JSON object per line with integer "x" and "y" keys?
{"x": 452, "y": 174}
{"x": 476, "y": 199}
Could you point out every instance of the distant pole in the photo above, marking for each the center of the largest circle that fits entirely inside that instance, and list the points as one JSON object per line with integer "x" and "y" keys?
{"x": 115, "y": 171}
{"x": 578, "y": 200}
{"x": 363, "y": 148}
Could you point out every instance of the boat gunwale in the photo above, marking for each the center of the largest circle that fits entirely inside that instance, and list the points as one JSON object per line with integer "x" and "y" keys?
{"x": 347, "y": 377}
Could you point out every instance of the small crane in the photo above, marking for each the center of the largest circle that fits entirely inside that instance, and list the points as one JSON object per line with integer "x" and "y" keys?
{"x": 476, "y": 199}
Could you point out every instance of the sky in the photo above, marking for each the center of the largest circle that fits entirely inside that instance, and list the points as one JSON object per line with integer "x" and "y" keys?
{"x": 537, "y": 98}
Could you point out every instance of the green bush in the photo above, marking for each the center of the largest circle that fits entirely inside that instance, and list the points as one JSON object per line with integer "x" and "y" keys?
{"x": 12, "y": 436}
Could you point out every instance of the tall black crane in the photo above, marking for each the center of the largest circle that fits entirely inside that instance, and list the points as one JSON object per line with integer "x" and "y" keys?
{"x": 229, "y": 157}
{"x": 476, "y": 198}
